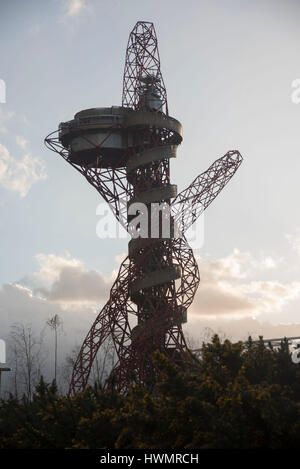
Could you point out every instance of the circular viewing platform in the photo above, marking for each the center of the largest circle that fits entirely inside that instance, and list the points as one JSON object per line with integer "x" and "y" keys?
{"x": 101, "y": 137}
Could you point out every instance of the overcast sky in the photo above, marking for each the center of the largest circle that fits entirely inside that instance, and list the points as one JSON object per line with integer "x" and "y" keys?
{"x": 228, "y": 68}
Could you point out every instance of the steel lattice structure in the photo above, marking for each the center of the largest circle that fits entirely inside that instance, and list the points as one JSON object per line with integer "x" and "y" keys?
{"x": 124, "y": 152}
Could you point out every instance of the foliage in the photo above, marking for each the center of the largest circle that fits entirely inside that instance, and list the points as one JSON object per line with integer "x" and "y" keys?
{"x": 234, "y": 396}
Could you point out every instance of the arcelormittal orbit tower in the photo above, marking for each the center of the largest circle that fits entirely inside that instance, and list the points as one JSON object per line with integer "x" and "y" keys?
{"x": 124, "y": 152}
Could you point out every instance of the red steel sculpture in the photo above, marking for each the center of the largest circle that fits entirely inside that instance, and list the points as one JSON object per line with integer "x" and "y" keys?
{"x": 124, "y": 152}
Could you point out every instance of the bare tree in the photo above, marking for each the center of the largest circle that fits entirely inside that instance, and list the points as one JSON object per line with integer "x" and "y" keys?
{"x": 27, "y": 358}
{"x": 54, "y": 323}
{"x": 15, "y": 367}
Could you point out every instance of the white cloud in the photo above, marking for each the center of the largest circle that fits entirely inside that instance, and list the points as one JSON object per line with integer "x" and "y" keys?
{"x": 269, "y": 263}
{"x": 51, "y": 265}
{"x": 19, "y": 175}
{"x": 294, "y": 240}
{"x": 66, "y": 280}
{"x": 226, "y": 287}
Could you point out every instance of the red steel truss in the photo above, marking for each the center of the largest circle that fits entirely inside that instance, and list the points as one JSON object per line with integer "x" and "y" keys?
{"x": 142, "y": 62}
{"x": 158, "y": 280}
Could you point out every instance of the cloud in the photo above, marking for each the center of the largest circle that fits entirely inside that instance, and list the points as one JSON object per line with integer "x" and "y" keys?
{"x": 61, "y": 285}
{"x": 20, "y": 305}
{"x": 229, "y": 286}
{"x": 268, "y": 263}
{"x": 226, "y": 287}
{"x": 73, "y": 8}
{"x": 226, "y": 301}
{"x": 66, "y": 280}
{"x": 294, "y": 240}
{"x": 77, "y": 284}
{"x": 19, "y": 175}
{"x": 50, "y": 267}
{"x": 230, "y": 300}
